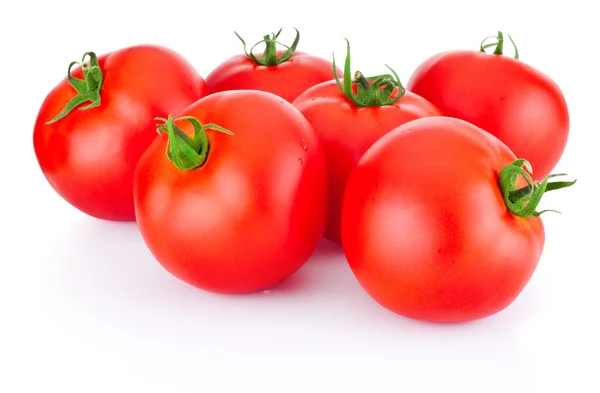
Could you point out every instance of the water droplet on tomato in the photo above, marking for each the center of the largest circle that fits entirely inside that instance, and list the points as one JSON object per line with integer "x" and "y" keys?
{"x": 300, "y": 161}
{"x": 304, "y": 145}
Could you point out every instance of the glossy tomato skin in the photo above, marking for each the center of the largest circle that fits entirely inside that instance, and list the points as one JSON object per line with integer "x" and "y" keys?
{"x": 254, "y": 213}
{"x": 425, "y": 229}
{"x": 347, "y": 131}
{"x": 287, "y": 80}
{"x": 89, "y": 156}
{"x": 510, "y": 99}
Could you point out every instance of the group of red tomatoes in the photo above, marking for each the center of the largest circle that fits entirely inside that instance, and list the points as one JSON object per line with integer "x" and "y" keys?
{"x": 234, "y": 179}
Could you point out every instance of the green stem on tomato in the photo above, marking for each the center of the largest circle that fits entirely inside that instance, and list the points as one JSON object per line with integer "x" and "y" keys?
{"x": 88, "y": 88}
{"x": 522, "y": 202}
{"x": 499, "y": 45}
{"x": 370, "y": 91}
{"x": 186, "y": 152}
{"x": 269, "y": 57}
{"x": 362, "y": 80}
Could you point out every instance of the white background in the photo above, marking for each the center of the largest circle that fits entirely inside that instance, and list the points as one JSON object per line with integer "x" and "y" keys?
{"x": 85, "y": 308}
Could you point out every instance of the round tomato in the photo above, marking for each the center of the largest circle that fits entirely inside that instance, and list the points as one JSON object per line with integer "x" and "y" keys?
{"x": 95, "y": 124}
{"x": 439, "y": 221}
{"x": 515, "y": 102}
{"x": 284, "y": 73}
{"x": 349, "y": 118}
{"x": 233, "y": 213}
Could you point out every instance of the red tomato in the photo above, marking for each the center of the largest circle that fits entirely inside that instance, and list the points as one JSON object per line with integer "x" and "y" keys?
{"x": 434, "y": 226}
{"x": 349, "y": 118}
{"x": 234, "y": 213}
{"x": 88, "y": 154}
{"x": 284, "y": 73}
{"x": 520, "y": 105}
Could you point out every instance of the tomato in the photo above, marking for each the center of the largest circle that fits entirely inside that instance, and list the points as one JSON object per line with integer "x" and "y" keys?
{"x": 284, "y": 73}
{"x": 433, "y": 225}
{"x": 89, "y": 155}
{"x": 515, "y": 102}
{"x": 233, "y": 213}
{"x": 349, "y": 118}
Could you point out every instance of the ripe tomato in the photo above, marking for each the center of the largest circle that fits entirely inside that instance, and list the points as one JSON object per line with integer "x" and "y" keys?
{"x": 90, "y": 132}
{"x": 284, "y": 73}
{"x": 233, "y": 213}
{"x": 349, "y": 118}
{"x": 434, "y": 226}
{"x": 515, "y": 102}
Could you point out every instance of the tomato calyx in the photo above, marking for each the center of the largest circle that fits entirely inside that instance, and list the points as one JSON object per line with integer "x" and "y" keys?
{"x": 88, "y": 88}
{"x": 186, "y": 152}
{"x": 499, "y": 45}
{"x": 522, "y": 202}
{"x": 377, "y": 90}
{"x": 269, "y": 57}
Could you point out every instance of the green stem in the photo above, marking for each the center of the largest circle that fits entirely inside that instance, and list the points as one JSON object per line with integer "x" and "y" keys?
{"x": 186, "y": 152}
{"x": 372, "y": 91}
{"x": 522, "y": 202}
{"x": 269, "y": 57}
{"x": 88, "y": 88}
{"x": 499, "y": 45}
{"x": 360, "y": 78}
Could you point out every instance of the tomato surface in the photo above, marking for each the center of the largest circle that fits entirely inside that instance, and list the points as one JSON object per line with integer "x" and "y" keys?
{"x": 286, "y": 79}
{"x": 89, "y": 155}
{"x": 512, "y": 100}
{"x": 425, "y": 226}
{"x": 250, "y": 215}
{"x": 347, "y": 129}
